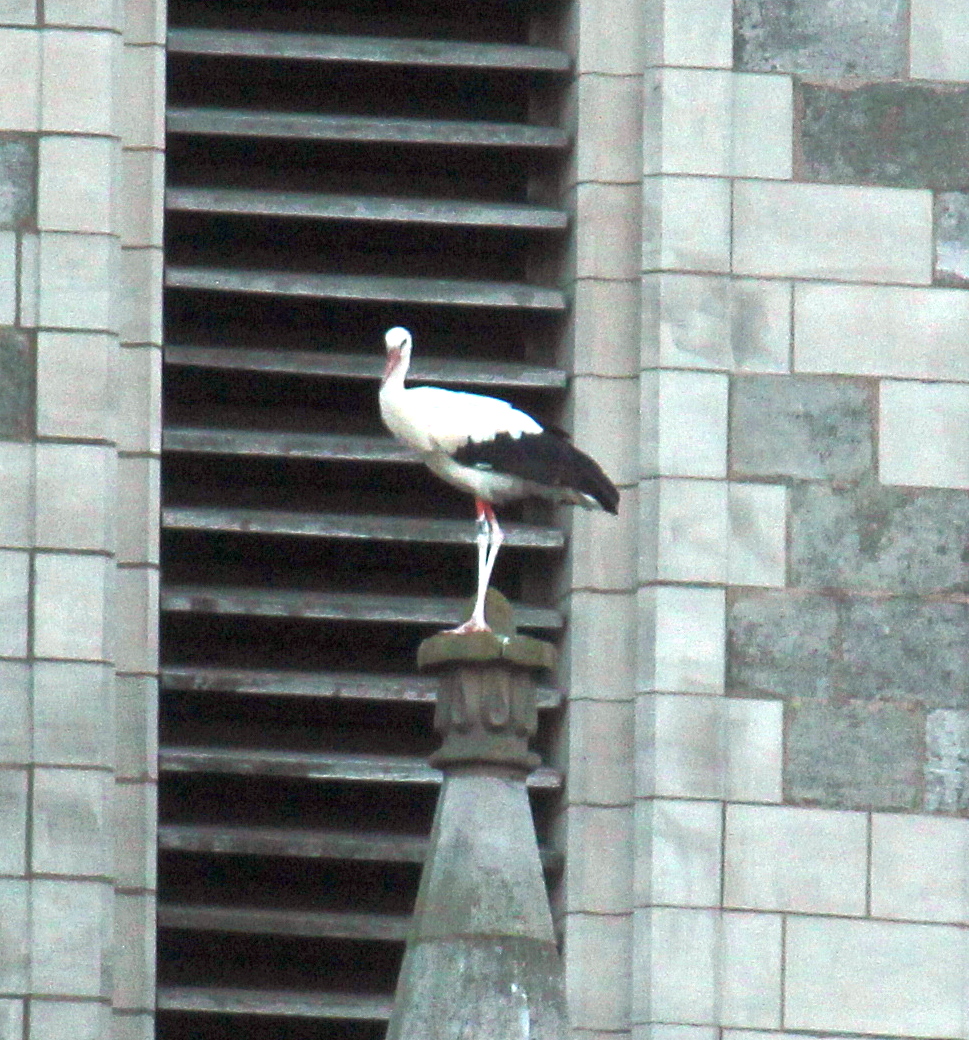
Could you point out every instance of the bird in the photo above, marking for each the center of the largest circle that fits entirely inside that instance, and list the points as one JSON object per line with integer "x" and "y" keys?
{"x": 489, "y": 449}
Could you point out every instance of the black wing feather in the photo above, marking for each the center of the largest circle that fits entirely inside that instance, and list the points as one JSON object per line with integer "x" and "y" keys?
{"x": 548, "y": 459}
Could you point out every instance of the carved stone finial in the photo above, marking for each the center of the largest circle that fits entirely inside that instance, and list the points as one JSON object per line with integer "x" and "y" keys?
{"x": 486, "y": 710}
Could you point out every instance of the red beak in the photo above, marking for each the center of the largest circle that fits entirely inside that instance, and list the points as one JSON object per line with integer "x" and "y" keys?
{"x": 393, "y": 360}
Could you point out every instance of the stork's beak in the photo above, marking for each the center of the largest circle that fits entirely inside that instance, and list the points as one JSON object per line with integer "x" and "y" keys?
{"x": 393, "y": 360}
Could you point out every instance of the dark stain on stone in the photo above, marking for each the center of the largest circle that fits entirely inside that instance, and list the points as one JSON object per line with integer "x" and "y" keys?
{"x": 17, "y": 383}
{"x": 903, "y": 135}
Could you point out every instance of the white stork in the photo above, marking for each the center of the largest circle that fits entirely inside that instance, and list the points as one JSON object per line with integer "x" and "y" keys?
{"x": 488, "y": 448}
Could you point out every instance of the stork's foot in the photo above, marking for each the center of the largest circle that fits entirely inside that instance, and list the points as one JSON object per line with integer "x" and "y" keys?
{"x": 473, "y": 624}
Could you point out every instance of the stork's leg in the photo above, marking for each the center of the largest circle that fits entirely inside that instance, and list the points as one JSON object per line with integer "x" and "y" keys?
{"x": 489, "y": 538}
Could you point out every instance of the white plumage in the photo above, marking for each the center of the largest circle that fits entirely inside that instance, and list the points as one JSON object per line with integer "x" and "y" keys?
{"x": 488, "y": 448}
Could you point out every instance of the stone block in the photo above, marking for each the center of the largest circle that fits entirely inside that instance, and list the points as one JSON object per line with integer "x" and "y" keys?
{"x": 79, "y": 74}
{"x": 611, "y": 108}
{"x": 880, "y": 330}
{"x": 707, "y": 966}
{"x": 685, "y": 414}
{"x": 608, "y": 222}
{"x": 20, "y": 60}
{"x": 79, "y": 273}
{"x": 689, "y": 32}
{"x": 17, "y": 12}
{"x": 93, "y": 14}
{"x": 71, "y": 925}
{"x": 144, "y": 22}
{"x": 601, "y": 734}
{"x": 713, "y": 322}
{"x": 604, "y": 413}
{"x": 601, "y": 628}
{"x": 135, "y": 839}
{"x": 15, "y": 936}
{"x": 840, "y": 232}
{"x": 906, "y": 650}
{"x": 8, "y": 278}
{"x": 70, "y": 597}
{"x": 18, "y": 181}
{"x": 883, "y": 133}
{"x": 722, "y": 124}
{"x": 13, "y": 820}
{"x": 17, "y": 385}
{"x": 686, "y": 224}
{"x": 603, "y": 339}
{"x": 14, "y": 600}
{"x": 781, "y": 643}
{"x": 798, "y": 860}
{"x": 143, "y": 84}
{"x": 139, "y": 483}
{"x": 682, "y": 634}
{"x": 69, "y": 1020}
{"x": 72, "y": 702}
{"x": 77, "y": 177}
{"x": 936, "y": 36}
{"x": 75, "y": 493}
{"x": 598, "y": 870}
{"x": 877, "y": 977}
{"x": 874, "y": 538}
{"x": 29, "y": 291}
{"x": 757, "y": 534}
{"x": 803, "y": 427}
{"x": 17, "y": 505}
{"x": 947, "y": 761}
{"x": 920, "y": 868}
{"x": 142, "y": 195}
{"x": 606, "y": 39}
{"x": 141, "y": 292}
{"x": 854, "y": 754}
{"x": 679, "y": 847}
{"x": 139, "y": 405}
{"x": 598, "y": 999}
{"x": 137, "y": 622}
{"x": 70, "y": 821}
{"x": 11, "y": 1015}
{"x": 133, "y": 1025}
{"x": 922, "y": 434}
{"x": 76, "y": 385}
{"x": 15, "y": 713}
{"x": 602, "y": 549}
{"x": 826, "y": 39}
{"x": 951, "y": 220}
{"x": 711, "y": 747}
{"x": 136, "y": 723}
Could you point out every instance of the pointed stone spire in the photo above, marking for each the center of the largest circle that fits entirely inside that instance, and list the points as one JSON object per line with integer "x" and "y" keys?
{"x": 481, "y": 961}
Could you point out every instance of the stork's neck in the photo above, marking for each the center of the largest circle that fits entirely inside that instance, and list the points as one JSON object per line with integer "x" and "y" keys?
{"x": 398, "y": 361}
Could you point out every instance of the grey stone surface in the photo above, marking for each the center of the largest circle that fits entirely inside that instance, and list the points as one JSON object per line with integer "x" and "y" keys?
{"x": 781, "y": 643}
{"x": 854, "y": 755}
{"x": 481, "y": 959}
{"x": 947, "y": 761}
{"x": 951, "y": 219}
{"x": 18, "y": 181}
{"x": 904, "y": 135}
{"x": 826, "y": 38}
{"x": 800, "y": 426}
{"x": 14, "y": 935}
{"x": 876, "y": 538}
{"x": 17, "y": 385}
{"x": 906, "y": 650}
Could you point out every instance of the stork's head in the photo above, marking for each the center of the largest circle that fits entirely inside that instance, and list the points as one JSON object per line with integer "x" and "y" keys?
{"x": 398, "y": 341}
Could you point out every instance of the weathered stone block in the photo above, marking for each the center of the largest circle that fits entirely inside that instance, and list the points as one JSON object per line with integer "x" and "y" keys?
{"x": 781, "y": 643}
{"x": 952, "y": 238}
{"x": 904, "y": 135}
{"x": 17, "y": 385}
{"x": 799, "y": 426}
{"x": 18, "y": 182}
{"x": 854, "y": 755}
{"x": 873, "y": 537}
{"x": 826, "y": 38}
{"x": 947, "y": 761}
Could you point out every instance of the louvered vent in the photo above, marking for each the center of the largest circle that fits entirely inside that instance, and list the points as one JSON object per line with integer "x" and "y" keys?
{"x": 333, "y": 169}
